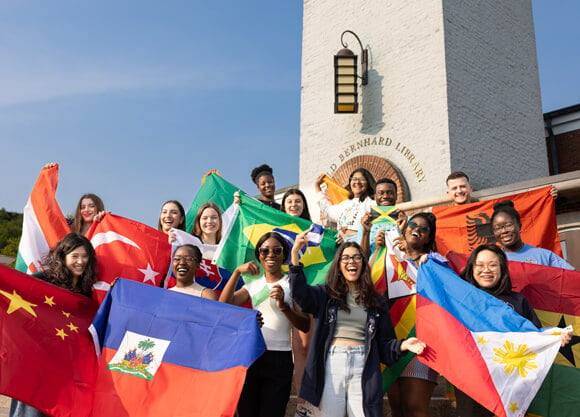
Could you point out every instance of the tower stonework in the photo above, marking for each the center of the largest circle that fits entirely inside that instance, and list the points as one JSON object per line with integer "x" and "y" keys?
{"x": 453, "y": 85}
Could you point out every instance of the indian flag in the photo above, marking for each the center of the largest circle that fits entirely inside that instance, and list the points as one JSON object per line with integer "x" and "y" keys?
{"x": 44, "y": 224}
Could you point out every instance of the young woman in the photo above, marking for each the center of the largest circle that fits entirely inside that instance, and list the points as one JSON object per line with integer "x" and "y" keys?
{"x": 487, "y": 269}
{"x": 348, "y": 214}
{"x": 294, "y": 203}
{"x": 89, "y": 208}
{"x": 268, "y": 381}
{"x": 185, "y": 262}
{"x": 172, "y": 215}
{"x": 410, "y": 395}
{"x": 263, "y": 177}
{"x": 207, "y": 225}
{"x": 72, "y": 265}
{"x": 353, "y": 334}
{"x": 506, "y": 226}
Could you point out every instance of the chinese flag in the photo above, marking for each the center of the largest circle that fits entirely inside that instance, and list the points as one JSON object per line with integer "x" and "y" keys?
{"x": 463, "y": 228}
{"x": 128, "y": 249}
{"x": 47, "y": 356}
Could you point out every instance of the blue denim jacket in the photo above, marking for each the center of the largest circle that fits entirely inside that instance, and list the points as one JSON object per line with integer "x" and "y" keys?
{"x": 380, "y": 343}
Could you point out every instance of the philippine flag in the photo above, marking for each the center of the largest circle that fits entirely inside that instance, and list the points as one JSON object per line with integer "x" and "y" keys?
{"x": 479, "y": 343}
{"x": 171, "y": 354}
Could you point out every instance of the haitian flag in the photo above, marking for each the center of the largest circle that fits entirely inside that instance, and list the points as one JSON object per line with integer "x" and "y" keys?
{"x": 555, "y": 295}
{"x": 252, "y": 220}
{"x": 479, "y": 343}
{"x": 129, "y": 249}
{"x": 44, "y": 224}
{"x": 47, "y": 355}
{"x": 171, "y": 354}
{"x": 463, "y": 228}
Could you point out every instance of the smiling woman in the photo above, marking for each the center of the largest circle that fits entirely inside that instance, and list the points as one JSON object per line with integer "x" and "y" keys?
{"x": 172, "y": 216}
{"x": 268, "y": 381}
{"x": 71, "y": 265}
{"x": 353, "y": 334}
{"x": 506, "y": 226}
{"x": 263, "y": 177}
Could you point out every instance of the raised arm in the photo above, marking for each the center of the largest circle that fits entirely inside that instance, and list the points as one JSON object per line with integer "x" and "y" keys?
{"x": 241, "y": 296}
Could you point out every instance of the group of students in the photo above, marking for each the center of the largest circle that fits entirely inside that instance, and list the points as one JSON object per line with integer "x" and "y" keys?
{"x": 332, "y": 338}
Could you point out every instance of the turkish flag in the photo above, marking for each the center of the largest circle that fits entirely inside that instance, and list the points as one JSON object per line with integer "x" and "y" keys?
{"x": 128, "y": 249}
{"x": 48, "y": 358}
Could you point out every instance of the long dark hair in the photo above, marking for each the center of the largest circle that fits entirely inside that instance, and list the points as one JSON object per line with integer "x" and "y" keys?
{"x": 295, "y": 191}
{"x": 180, "y": 226}
{"x": 57, "y": 273}
{"x": 78, "y": 220}
{"x": 337, "y": 288}
{"x": 431, "y": 220}
{"x": 197, "y": 226}
{"x": 370, "y": 190}
{"x": 504, "y": 285}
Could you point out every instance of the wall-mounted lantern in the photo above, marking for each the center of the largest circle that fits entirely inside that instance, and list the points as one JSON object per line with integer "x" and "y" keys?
{"x": 345, "y": 76}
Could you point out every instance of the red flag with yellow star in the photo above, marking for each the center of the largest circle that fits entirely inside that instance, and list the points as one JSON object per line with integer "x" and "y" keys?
{"x": 47, "y": 356}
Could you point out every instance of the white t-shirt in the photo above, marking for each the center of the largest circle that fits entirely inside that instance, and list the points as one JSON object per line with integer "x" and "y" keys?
{"x": 276, "y": 328}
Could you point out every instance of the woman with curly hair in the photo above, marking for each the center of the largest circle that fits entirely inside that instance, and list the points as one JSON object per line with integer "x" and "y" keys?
{"x": 263, "y": 177}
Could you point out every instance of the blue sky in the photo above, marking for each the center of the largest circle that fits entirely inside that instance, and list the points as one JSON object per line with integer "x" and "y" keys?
{"x": 136, "y": 100}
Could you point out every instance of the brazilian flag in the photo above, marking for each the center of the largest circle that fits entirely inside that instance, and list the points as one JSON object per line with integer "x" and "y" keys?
{"x": 254, "y": 219}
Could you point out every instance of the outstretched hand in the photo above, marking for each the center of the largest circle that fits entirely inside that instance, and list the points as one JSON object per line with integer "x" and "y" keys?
{"x": 414, "y": 345}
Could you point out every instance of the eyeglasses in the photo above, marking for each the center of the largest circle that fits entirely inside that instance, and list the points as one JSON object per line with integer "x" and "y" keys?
{"x": 508, "y": 227}
{"x": 358, "y": 179}
{"x": 277, "y": 251}
{"x": 422, "y": 229}
{"x": 186, "y": 259}
{"x": 346, "y": 258}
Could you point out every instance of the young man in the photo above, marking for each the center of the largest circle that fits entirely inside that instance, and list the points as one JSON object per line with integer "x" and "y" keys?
{"x": 385, "y": 195}
{"x": 458, "y": 188}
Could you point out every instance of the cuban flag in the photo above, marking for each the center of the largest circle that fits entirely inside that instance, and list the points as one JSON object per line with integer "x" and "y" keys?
{"x": 164, "y": 353}
{"x": 479, "y": 343}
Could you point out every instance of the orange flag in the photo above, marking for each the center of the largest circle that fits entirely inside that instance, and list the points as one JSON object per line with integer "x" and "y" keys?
{"x": 463, "y": 228}
{"x": 334, "y": 192}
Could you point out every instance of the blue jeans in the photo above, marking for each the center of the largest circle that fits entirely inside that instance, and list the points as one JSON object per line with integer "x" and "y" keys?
{"x": 343, "y": 382}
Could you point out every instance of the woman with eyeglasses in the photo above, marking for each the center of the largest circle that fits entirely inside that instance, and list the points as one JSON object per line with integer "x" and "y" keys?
{"x": 185, "y": 262}
{"x": 348, "y": 214}
{"x": 506, "y": 226}
{"x": 353, "y": 334}
{"x": 268, "y": 381}
{"x": 487, "y": 269}
{"x": 410, "y": 394}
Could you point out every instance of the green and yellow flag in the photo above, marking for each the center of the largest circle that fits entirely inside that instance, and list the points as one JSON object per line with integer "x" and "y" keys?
{"x": 254, "y": 219}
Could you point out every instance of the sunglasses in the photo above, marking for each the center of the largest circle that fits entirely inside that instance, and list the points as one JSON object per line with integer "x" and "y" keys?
{"x": 186, "y": 259}
{"x": 422, "y": 229}
{"x": 277, "y": 251}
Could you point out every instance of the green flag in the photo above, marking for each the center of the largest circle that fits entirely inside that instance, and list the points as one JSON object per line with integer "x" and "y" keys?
{"x": 214, "y": 189}
{"x": 253, "y": 220}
